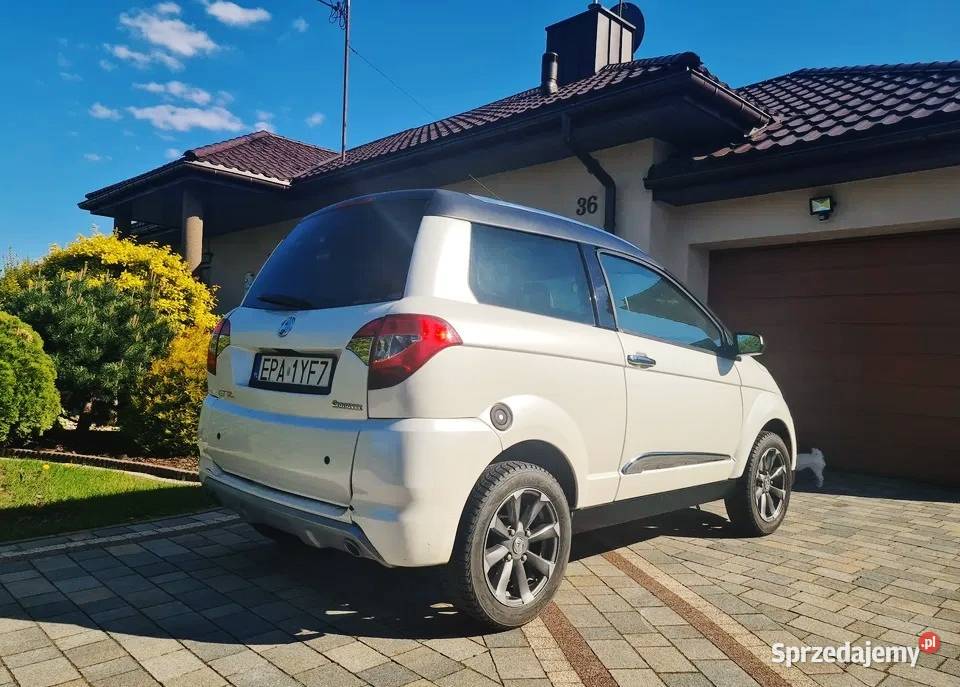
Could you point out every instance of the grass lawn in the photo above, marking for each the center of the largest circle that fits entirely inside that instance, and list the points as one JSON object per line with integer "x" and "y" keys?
{"x": 38, "y": 498}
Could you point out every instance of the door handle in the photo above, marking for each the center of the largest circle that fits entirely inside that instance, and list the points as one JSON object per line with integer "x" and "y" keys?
{"x": 641, "y": 360}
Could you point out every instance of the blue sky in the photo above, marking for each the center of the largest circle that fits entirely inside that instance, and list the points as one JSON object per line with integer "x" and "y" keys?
{"x": 98, "y": 94}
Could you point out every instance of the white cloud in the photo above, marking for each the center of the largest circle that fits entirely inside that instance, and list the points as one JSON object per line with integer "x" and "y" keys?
{"x": 171, "y": 153}
{"x": 95, "y": 157}
{"x": 264, "y": 115}
{"x": 62, "y": 61}
{"x": 107, "y": 65}
{"x": 300, "y": 24}
{"x": 265, "y": 126}
{"x": 316, "y": 119}
{"x": 142, "y": 59}
{"x": 100, "y": 111}
{"x": 177, "y": 89}
{"x": 122, "y": 52}
{"x": 172, "y": 118}
{"x": 70, "y": 76}
{"x": 232, "y": 14}
{"x": 168, "y": 61}
{"x": 167, "y": 8}
{"x": 224, "y": 98}
{"x": 173, "y": 34}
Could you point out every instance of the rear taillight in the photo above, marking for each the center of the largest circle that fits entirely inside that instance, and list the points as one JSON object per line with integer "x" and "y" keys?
{"x": 219, "y": 340}
{"x": 396, "y": 346}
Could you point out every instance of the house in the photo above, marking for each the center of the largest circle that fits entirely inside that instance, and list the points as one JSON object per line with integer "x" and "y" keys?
{"x": 821, "y": 208}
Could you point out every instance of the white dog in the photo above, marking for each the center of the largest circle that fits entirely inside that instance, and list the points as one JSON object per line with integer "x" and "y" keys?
{"x": 812, "y": 461}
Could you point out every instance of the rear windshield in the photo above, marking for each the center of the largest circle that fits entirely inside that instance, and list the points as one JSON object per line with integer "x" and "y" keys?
{"x": 347, "y": 256}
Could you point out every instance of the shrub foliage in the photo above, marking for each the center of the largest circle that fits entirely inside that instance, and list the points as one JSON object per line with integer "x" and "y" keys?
{"x": 130, "y": 267}
{"x": 29, "y": 403}
{"x": 163, "y": 412}
{"x": 102, "y": 339}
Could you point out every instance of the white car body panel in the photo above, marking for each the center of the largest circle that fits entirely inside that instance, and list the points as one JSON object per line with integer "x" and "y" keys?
{"x": 386, "y": 473}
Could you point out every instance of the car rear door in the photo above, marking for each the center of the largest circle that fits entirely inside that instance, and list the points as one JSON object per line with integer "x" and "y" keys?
{"x": 684, "y": 407}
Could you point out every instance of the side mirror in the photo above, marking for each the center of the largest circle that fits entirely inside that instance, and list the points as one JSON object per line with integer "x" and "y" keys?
{"x": 749, "y": 344}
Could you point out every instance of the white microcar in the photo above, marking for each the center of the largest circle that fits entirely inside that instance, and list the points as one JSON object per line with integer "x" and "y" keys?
{"x": 431, "y": 378}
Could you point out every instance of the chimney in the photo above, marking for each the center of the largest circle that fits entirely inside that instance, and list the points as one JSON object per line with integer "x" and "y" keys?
{"x": 591, "y": 40}
{"x": 548, "y": 73}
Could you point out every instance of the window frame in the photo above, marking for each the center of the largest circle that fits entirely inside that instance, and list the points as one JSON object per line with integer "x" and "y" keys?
{"x": 727, "y": 347}
{"x": 588, "y": 278}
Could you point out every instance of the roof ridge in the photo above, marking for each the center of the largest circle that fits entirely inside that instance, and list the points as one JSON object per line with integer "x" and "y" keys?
{"x": 228, "y": 144}
{"x": 950, "y": 65}
{"x": 274, "y": 134}
{"x": 220, "y": 146}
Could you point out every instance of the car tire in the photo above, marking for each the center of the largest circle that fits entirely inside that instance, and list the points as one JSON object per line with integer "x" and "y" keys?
{"x": 760, "y": 500}
{"x": 512, "y": 545}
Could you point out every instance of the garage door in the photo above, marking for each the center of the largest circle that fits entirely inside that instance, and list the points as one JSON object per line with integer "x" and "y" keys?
{"x": 863, "y": 337}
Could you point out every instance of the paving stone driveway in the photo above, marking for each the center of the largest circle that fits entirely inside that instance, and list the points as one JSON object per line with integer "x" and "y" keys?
{"x": 658, "y": 602}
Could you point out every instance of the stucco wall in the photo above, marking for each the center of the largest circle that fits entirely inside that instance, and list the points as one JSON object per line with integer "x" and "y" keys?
{"x": 238, "y": 253}
{"x": 918, "y": 201}
{"x": 562, "y": 187}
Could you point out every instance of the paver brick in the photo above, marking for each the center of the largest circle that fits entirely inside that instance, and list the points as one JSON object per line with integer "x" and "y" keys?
{"x": 516, "y": 663}
{"x": 616, "y": 654}
{"x": 356, "y": 656}
{"x": 392, "y": 674}
{"x": 294, "y": 658}
{"x": 45, "y": 673}
{"x": 330, "y": 675}
{"x": 432, "y": 664}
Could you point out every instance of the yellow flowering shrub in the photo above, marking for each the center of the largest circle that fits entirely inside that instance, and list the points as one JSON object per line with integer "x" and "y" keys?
{"x": 162, "y": 415}
{"x": 131, "y": 266}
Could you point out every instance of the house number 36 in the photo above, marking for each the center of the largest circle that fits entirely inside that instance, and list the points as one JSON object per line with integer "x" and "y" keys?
{"x": 586, "y": 205}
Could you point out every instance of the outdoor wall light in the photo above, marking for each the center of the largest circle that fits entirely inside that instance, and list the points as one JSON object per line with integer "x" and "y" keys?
{"x": 822, "y": 207}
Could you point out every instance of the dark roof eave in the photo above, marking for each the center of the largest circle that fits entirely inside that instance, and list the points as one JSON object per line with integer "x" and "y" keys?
{"x": 163, "y": 176}
{"x": 709, "y": 180}
{"x": 744, "y": 113}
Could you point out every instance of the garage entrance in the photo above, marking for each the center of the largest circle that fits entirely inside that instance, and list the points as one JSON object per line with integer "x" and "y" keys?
{"x": 863, "y": 337}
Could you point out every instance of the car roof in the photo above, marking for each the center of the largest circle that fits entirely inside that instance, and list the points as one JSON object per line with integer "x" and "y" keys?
{"x": 499, "y": 213}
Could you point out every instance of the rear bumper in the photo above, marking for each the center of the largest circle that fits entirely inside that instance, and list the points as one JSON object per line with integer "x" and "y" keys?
{"x": 408, "y": 481}
{"x": 317, "y": 523}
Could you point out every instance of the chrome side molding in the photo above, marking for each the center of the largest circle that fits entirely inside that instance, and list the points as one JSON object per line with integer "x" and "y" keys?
{"x": 662, "y": 461}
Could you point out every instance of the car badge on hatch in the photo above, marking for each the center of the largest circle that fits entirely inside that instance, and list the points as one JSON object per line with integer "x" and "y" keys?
{"x": 286, "y": 326}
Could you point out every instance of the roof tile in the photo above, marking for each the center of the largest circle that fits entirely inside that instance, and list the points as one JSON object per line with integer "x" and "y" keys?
{"x": 838, "y": 101}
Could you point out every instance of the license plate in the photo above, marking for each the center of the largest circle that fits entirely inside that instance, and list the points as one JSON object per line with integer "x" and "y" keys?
{"x": 309, "y": 374}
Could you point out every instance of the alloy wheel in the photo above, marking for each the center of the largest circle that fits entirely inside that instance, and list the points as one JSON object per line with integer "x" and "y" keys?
{"x": 521, "y": 547}
{"x": 770, "y": 490}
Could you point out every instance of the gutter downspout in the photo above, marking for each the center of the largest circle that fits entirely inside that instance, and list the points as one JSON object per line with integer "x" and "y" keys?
{"x": 597, "y": 171}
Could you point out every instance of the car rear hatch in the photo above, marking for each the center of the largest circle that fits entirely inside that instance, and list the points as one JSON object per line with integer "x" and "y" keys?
{"x": 293, "y": 394}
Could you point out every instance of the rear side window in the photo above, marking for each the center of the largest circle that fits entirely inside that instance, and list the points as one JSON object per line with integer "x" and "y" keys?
{"x": 535, "y": 274}
{"x": 347, "y": 256}
{"x": 648, "y": 304}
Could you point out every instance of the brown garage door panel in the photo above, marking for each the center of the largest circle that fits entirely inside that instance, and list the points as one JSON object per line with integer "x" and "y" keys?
{"x": 846, "y": 281}
{"x": 864, "y": 339}
{"x": 795, "y": 337}
{"x": 825, "y": 255}
{"x": 914, "y": 309}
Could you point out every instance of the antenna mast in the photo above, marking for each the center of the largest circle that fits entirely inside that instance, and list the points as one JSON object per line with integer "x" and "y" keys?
{"x": 340, "y": 14}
